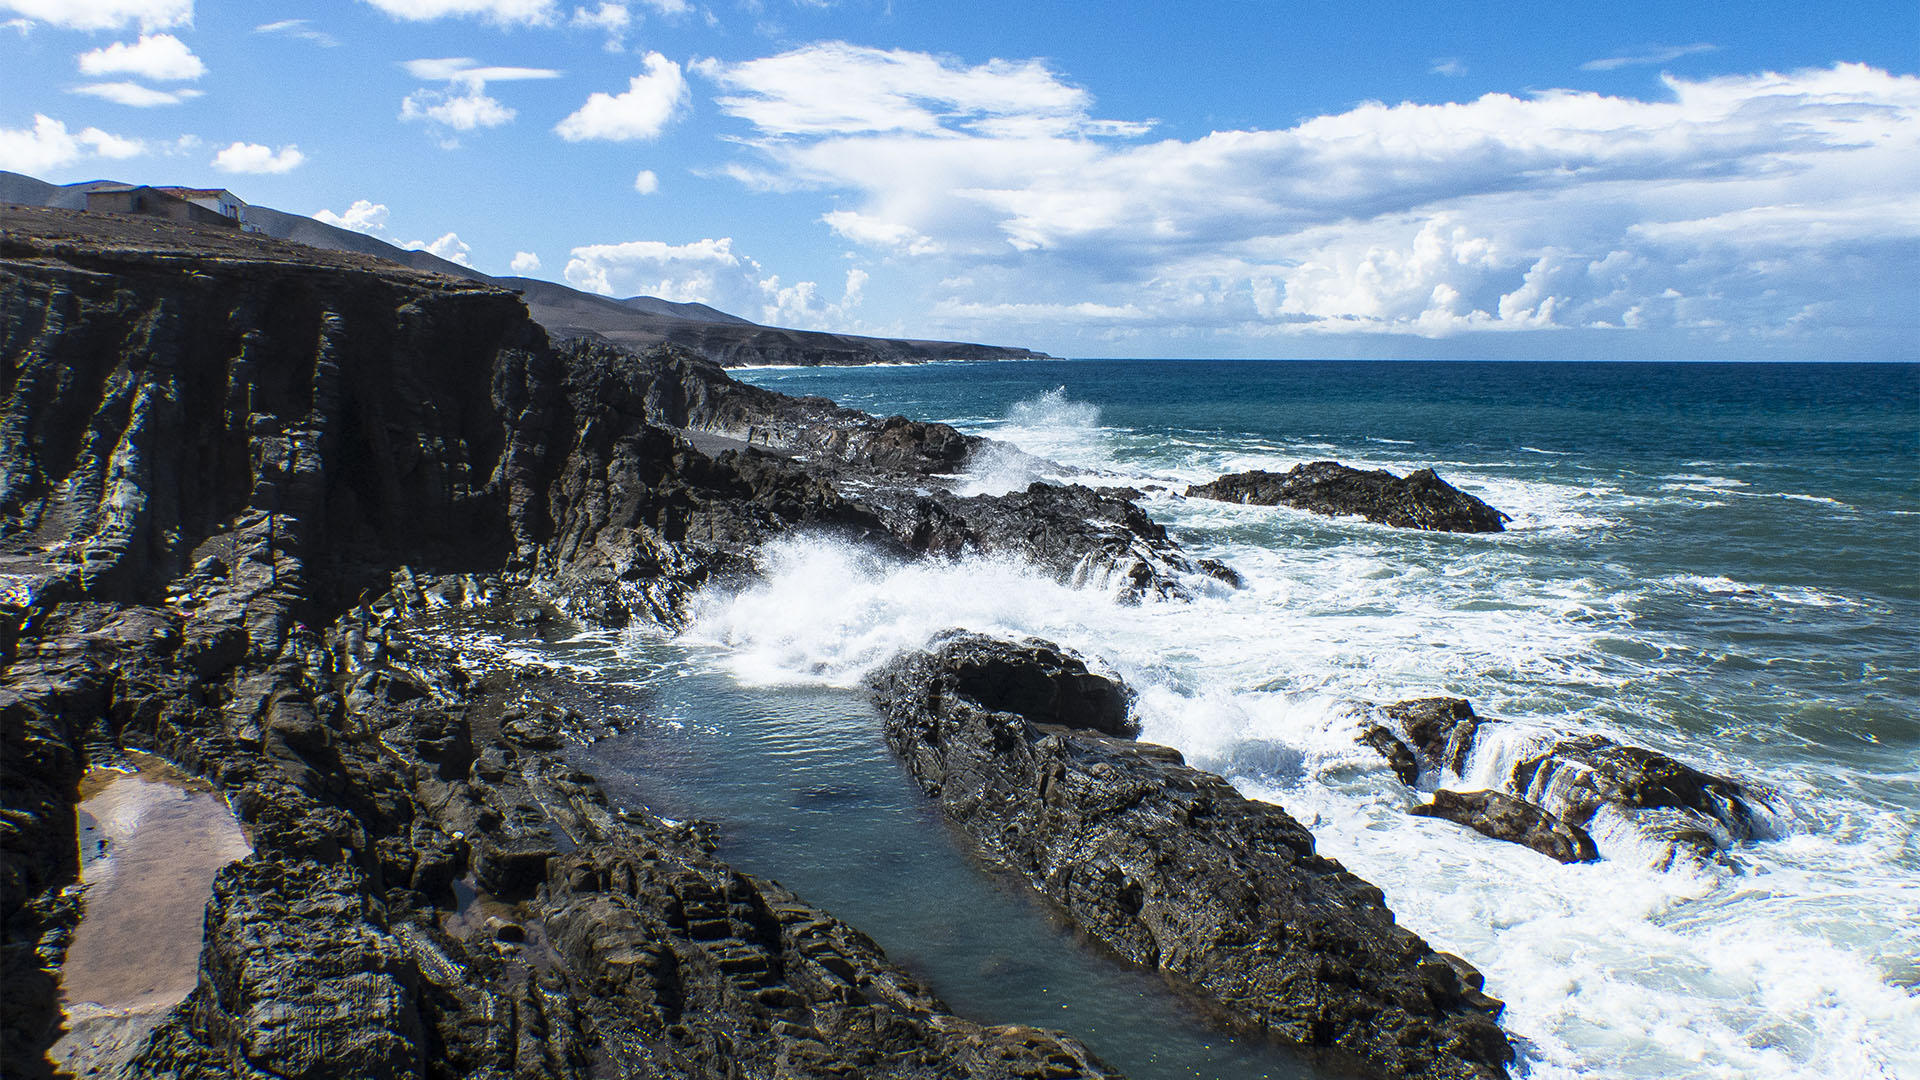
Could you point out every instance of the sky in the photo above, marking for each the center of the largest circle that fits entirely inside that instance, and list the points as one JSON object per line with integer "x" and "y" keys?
{"x": 1634, "y": 181}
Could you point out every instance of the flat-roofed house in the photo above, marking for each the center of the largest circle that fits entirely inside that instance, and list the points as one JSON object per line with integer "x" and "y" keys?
{"x": 219, "y": 200}
{"x": 163, "y": 202}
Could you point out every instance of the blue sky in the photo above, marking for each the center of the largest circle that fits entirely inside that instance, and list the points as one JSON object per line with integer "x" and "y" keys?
{"x": 1658, "y": 180}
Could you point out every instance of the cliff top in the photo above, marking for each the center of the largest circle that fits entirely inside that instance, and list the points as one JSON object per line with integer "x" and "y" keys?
{"x": 79, "y": 238}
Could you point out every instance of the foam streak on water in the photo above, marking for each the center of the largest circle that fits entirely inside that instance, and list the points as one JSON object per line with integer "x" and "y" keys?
{"x": 1751, "y": 614}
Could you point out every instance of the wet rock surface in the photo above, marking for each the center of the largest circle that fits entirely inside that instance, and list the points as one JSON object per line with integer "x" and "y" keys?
{"x": 1503, "y": 817}
{"x": 1172, "y": 868}
{"x": 227, "y": 465}
{"x": 1419, "y": 500}
{"x": 1557, "y": 786}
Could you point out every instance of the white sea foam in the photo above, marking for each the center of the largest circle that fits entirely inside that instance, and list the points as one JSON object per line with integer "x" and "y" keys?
{"x": 1721, "y": 585}
{"x": 1612, "y": 969}
{"x": 1793, "y": 958}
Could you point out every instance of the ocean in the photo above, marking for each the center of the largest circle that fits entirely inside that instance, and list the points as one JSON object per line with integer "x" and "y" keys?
{"x": 1717, "y": 561}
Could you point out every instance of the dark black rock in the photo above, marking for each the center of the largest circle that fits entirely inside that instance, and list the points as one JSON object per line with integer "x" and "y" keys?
{"x": 1173, "y": 869}
{"x": 1078, "y": 534}
{"x": 1570, "y": 779}
{"x": 220, "y": 459}
{"x": 1503, "y": 817}
{"x": 1420, "y": 500}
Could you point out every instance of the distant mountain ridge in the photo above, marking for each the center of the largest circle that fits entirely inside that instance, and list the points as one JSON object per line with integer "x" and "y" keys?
{"x": 636, "y": 322}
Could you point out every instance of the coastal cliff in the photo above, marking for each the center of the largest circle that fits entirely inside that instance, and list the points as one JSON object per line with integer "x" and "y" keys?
{"x": 244, "y": 483}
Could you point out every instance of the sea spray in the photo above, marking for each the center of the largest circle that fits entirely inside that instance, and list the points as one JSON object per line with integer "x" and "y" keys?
{"x": 1661, "y": 584}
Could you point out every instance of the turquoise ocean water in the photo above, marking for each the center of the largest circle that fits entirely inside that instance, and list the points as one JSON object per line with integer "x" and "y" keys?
{"x": 1718, "y": 561}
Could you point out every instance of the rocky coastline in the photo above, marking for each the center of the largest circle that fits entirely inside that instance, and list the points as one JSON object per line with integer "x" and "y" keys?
{"x": 243, "y": 479}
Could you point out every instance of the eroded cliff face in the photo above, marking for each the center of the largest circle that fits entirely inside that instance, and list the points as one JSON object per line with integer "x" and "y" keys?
{"x": 225, "y": 459}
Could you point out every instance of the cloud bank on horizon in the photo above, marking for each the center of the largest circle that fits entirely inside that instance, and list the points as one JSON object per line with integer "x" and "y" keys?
{"x": 989, "y": 194}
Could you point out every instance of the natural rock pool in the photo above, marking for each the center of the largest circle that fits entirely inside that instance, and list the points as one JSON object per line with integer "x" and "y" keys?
{"x": 150, "y": 844}
{"x": 805, "y": 790}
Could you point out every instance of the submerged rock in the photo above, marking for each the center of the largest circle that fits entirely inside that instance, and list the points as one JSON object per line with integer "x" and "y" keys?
{"x": 1170, "y": 866}
{"x": 1420, "y": 500}
{"x": 1503, "y": 817}
{"x": 1567, "y": 780}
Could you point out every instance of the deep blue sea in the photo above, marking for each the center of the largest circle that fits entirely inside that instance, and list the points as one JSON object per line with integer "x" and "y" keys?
{"x": 1718, "y": 561}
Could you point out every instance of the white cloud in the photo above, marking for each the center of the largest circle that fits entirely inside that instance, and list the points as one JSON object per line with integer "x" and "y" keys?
{"x": 646, "y": 183}
{"x": 466, "y": 71}
{"x": 105, "y": 14}
{"x": 160, "y": 57}
{"x": 48, "y": 145}
{"x": 456, "y": 111}
{"x": 712, "y": 272}
{"x": 525, "y": 262}
{"x": 502, "y": 12}
{"x": 464, "y": 105}
{"x": 371, "y": 218}
{"x": 243, "y": 157}
{"x": 1761, "y": 200}
{"x": 672, "y": 272}
{"x": 613, "y": 20}
{"x": 1658, "y": 54}
{"x": 642, "y": 112}
{"x": 364, "y": 216}
{"x": 298, "y": 28}
{"x": 140, "y": 97}
{"x": 837, "y": 88}
{"x": 873, "y": 232}
{"x": 1450, "y": 66}
{"x": 449, "y": 247}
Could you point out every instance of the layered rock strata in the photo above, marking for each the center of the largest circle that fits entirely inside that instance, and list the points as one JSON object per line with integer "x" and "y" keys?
{"x": 221, "y": 456}
{"x": 1419, "y": 500}
{"x": 1170, "y": 867}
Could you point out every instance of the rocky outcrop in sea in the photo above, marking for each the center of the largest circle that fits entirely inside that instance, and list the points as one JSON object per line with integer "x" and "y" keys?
{"x": 1555, "y": 786}
{"x": 1419, "y": 500}
{"x": 1033, "y": 755}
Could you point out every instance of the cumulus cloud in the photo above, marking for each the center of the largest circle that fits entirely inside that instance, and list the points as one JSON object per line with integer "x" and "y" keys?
{"x": 242, "y": 157}
{"x": 298, "y": 28}
{"x": 1658, "y": 54}
{"x": 643, "y": 112}
{"x": 502, "y": 12}
{"x": 711, "y": 272}
{"x": 104, "y": 14}
{"x": 134, "y": 94}
{"x": 1753, "y": 198}
{"x": 646, "y": 183}
{"x": 364, "y": 216}
{"x": 464, "y": 105}
{"x": 525, "y": 262}
{"x": 613, "y": 20}
{"x": 159, "y": 57}
{"x": 449, "y": 247}
{"x": 48, "y": 145}
{"x": 457, "y": 111}
{"x": 371, "y": 218}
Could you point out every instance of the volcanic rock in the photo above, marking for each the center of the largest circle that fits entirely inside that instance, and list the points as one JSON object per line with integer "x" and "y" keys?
{"x": 1503, "y": 817}
{"x": 222, "y": 459}
{"x": 1170, "y": 866}
{"x": 1566, "y": 779}
{"x": 1420, "y": 500}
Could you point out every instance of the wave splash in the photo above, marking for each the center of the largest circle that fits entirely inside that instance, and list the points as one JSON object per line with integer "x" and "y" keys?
{"x": 1758, "y": 966}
